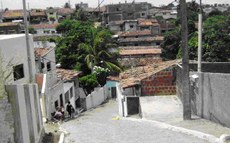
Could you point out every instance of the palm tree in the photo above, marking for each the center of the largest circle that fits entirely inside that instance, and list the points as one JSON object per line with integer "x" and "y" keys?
{"x": 98, "y": 50}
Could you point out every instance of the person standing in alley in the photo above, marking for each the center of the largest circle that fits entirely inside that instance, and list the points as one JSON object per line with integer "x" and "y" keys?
{"x": 69, "y": 109}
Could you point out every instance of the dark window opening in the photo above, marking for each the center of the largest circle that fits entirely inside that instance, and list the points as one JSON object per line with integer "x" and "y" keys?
{"x": 48, "y": 65}
{"x": 71, "y": 92}
{"x": 56, "y": 103}
{"x": 18, "y": 72}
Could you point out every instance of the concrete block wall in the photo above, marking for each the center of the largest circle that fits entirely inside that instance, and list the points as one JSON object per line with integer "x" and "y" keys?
{"x": 26, "y": 110}
{"x": 6, "y": 121}
{"x": 213, "y": 98}
{"x": 161, "y": 83}
{"x": 96, "y": 98}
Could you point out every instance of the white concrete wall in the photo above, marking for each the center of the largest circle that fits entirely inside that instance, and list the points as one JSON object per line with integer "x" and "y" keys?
{"x": 67, "y": 87}
{"x": 44, "y": 44}
{"x": 25, "y": 103}
{"x": 122, "y": 105}
{"x": 96, "y": 98}
{"x": 49, "y": 57}
{"x": 14, "y": 52}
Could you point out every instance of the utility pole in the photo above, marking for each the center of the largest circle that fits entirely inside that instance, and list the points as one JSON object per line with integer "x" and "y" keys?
{"x": 200, "y": 39}
{"x": 27, "y": 42}
{"x": 99, "y": 9}
{"x": 185, "y": 62}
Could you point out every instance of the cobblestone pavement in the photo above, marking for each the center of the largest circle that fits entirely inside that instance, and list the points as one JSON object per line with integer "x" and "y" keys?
{"x": 102, "y": 125}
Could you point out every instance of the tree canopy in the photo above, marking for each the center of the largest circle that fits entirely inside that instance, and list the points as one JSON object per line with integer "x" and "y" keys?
{"x": 84, "y": 46}
{"x": 216, "y": 43}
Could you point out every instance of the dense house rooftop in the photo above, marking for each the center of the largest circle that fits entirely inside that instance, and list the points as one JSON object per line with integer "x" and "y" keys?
{"x": 140, "y": 52}
{"x": 67, "y": 75}
{"x": 8, "y": 24}
{"x": 137, "y": 47}
{"x": 37, "y": 13}
{"x": 148, "y": 22}
{"x": 142, "y": 39}
{"x": 113, "y": 78}
{"x": 13, "y": 14}
{"x": 131, "y": 77}
{"x": 135, "y": 33}
{"x": 65, "y": 11}
{"x": 44, "y": 26}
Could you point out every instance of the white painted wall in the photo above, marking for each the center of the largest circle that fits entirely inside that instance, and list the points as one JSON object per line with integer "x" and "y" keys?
{"x": 13, "y": 52}
{"x": 121, "y": 99}
{"x": 44, "y": 44}
{"x": 96, "y": 98}
{"x": 27, "y": 112}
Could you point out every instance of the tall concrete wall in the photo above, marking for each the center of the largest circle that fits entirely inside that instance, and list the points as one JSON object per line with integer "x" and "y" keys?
{"x": 6, "y": 115}
{"x": 14, "y": 52}
{"x": 6, "y": 121}
{"x": 96, "y": 98}
{"x": 212, "y": 97}
{"x": 25, "y": 103}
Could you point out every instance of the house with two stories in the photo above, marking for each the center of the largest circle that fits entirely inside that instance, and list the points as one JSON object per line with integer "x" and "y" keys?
{"x": 57, "y": 86}
{"x": 22, "y": 104}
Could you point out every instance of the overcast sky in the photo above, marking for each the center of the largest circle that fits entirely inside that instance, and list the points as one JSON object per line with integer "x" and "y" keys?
{"x": 17, "y": 4}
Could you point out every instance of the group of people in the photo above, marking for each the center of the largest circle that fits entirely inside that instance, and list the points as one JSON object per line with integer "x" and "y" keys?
{"x": 60, "y": 112}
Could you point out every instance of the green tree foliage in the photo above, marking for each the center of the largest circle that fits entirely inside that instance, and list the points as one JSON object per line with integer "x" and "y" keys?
{"x": 89, "y": 82}
{"x": 216, "y": 37}
{"x": 84, "y": 46}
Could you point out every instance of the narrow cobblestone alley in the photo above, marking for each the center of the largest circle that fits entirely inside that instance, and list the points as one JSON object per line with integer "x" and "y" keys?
{"x": 100, "y": 125}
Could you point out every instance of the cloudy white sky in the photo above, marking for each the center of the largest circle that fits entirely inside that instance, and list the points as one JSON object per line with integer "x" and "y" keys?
{"x": 17, "y": 4}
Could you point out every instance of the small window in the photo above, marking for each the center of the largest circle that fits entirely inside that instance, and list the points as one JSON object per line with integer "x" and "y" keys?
{"x": 71, "y": 92}
{"x": 56, "y": 103}
{"x": 142, "y": 14}
{"x": 18, "y": 72}
{"x": 131, "y": 26}
{"x": 42, "y": 65}
{"x": 51, "y": 13}
{"x": 118, "y": 9}
{"x": 48, "y": 65}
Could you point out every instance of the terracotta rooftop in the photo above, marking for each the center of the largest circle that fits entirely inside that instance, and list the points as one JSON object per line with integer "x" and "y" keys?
{"x": 37, "y": 13}
{"x": 148, "y": 22}
{"x": 65, "y": 11}
{"x": 130, "y": 77}
{"x": 137, "y": 47}
{"x": 13, "y": 14}
{"x": 140, "y": 52}
{"x": 44, "y": 26}
{"x": 135, "y": 33}
{"x": 142, "y": 39}
{"x": 113, "y": 78}
{"x": 6, "y": 24}
{"x": 40, "y": 52}
{"x": 67, "y": 75}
